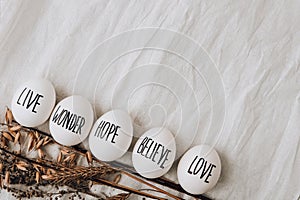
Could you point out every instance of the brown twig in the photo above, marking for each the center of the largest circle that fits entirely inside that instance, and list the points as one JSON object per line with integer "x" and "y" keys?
{"x": 83, "y": 153}
{"x": 128, "y": 173}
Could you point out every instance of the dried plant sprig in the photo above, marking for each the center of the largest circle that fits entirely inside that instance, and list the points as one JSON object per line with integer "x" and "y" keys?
{"x": 17, "y": 137}
{"x": 89, "y": 157}
{"x": 60, "y": 178}
{"x": 67, "y": 157}
{"x": 30, "y": 176}
{"x": 68, "y": 175}
{"x": 15, "y": 128}
{"x": 7, "y": 136}
{"x": 67, "y": 151}
{"x": 117, "y": 178}
{"x": 8, "y": 116}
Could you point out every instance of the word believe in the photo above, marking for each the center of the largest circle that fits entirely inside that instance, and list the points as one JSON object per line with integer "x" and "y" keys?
{"x": 200, "y": 164}
{"x": 106, "y": 129}
{"x": 149, "y": 149}
{"x": 68, "y": 120}
{"x": 28, "y": 101}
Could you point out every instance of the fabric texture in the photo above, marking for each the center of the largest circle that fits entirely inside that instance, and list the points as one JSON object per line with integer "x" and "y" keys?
{"x": 255, "y": 46}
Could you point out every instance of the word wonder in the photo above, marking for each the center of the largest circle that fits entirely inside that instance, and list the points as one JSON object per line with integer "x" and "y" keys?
{"x": 68, "y": 120}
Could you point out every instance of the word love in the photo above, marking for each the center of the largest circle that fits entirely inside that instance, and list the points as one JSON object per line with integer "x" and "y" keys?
{"x": 107, "y": 130}
{"x": 68, "y": 120}
{"x": 200, "y": 166}
{"x": 29, "y": 99}
{"x": 150, "y": 149}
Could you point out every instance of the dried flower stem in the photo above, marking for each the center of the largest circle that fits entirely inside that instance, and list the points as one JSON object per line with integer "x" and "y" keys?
{"x": 70, "y": 175}
{"x": 90, "y": 159}
{"x": 65, "y": 174}
{"x": 102, "y": 163}
{"x": 23, "y": 161}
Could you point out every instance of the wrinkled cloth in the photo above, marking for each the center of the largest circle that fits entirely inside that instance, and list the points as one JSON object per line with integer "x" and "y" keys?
{"x": 255, "y": 46}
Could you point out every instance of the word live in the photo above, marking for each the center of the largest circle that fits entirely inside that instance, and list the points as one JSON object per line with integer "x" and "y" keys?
{"x": 28, "y": 101}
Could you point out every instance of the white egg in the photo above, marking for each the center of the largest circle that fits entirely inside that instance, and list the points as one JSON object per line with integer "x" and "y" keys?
{"x": 199, "y": 169}
{"x": 111, "y": 135}
{"x": 71, "y": 120}
{"x": 33, "y": 102}
{"x": 154, "y": 153}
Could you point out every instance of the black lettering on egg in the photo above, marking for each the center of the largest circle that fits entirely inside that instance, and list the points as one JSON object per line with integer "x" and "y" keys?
{"x": 154, "y": 151}
{"x": 107, "y": 131}
{"x": 29, "y": 99}
{"x": 200, "y": 167}
{"x": 68, "y": 120}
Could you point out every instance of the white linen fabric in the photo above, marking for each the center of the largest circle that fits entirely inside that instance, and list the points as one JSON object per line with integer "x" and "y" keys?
{"x": 255, "y": 46}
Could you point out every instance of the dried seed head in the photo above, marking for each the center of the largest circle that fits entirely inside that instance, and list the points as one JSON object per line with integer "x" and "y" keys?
{"x": 89, "y": 157}
{"x": 47, "y": 140}
{"x": 37, "y": 135}
{"x": 15, "y": 128}
{"x": 72, "y": 157}
{"x": 8, "y": 116}
{"x": 41, "y": 153}
{"x": 7, "y": 136}
{"x": 3, "y": 142}
{"x": 67, "y": 159}
{"x": 13, "y": 133}
{"x": 17, "y": 138}
{"x": 50, "y": 171}
{"x": 7, "y": 177}
{"x": 47, "y": 177}
{"x": 59, "y": 157}
{"x": 21, "y": 167}
{"x": 30, "y": 143}
{"x": 64, "y": 151}
{"x": 37, "y": 177}
{"x": 43, "y": 170}
{"x": 39, "y": 168}
{"x": 31, "y": 133}
{"x": 23, "y": 163}
{"x": 117, "y": 178}
{"x": 39, "y": 144}
{"x": 36, "y": 167}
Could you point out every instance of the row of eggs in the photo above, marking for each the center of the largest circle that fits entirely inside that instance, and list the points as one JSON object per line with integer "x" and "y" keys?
{"x": 71, "y": 122}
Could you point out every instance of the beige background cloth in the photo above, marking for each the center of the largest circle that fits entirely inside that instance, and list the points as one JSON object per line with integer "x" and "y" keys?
{"x": 255, "y": 46}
